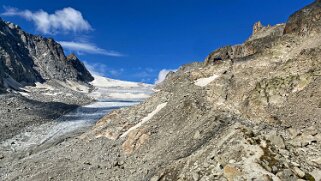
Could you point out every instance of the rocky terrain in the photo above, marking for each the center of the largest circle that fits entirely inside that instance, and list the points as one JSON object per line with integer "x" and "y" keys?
{"x": 248, "y": 112}
{"x": 38, "y": 83}
{"x": 28, "y": 59}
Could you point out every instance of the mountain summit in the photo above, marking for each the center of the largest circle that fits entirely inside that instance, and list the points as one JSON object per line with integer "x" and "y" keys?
{"x": 26, "y": 59}
{"x": 306, "y": 21}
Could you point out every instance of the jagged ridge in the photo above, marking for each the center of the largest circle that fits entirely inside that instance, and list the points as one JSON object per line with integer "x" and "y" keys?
{"x": 27, "y": 58}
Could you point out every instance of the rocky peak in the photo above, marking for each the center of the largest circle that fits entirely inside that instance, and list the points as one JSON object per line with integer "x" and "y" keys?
{"x": 257, "y": 27}
{"x": 261, "y": 39}
{"x": 71, "y": 57}
{"x": 12, "y": 25}
{"x": 82, "y": 73}
{"x": 28, "y": 58}
{"x": 306, "y": 21}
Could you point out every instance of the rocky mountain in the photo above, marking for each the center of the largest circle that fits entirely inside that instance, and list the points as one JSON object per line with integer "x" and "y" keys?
{"x": 26, "y": 59}
{"x": 38, "y": 83}
{"x": 306, "y": 21}
{"x": 82, "y": 73}
{"x": 248, "y": 112}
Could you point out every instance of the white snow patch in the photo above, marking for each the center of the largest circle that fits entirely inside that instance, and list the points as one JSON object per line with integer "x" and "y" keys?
{"x": 128, "y": 95}
{"x": 24, "y": 94}
{"x": 104, "y": 82}
{"x": 52, "y": 94}
{"x": 120, "y": 93}
{"x": 145, "y": 119}
{"x": 116, "y": 89}
{"x": 43, "y": 86}
{"x": 202, "y": 82}
{"x": 156, "y": 90}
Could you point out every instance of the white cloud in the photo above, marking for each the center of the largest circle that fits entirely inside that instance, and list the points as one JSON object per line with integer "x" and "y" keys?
{"x": 65, "y": 20}
{"x": 88, "y": 48}
{"x": 162, "y": 75}
{"x": 96, "y": 68}
{"x": 102, "y": 70}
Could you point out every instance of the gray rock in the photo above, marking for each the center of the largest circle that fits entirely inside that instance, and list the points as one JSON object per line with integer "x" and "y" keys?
{"x": 26, "y": 59}
{"x": 277, "y": 140}
{"x": 306, "y": 21}
{"x": 299, "y": 172}
{"x": 257, "y": 27}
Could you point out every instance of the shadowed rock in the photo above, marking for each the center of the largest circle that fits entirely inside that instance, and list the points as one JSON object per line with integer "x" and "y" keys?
{"x": 27, "y": 58}
{"x": 305, "y": 21}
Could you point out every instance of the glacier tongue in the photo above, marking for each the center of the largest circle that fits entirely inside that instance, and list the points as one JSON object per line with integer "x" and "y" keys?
{"x": 110, "y": 95}
{"x": 77, "y": 120}
{"x": 106, "y": 88}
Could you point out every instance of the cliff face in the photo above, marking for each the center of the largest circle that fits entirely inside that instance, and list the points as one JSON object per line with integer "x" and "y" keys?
{"x": 82, "y": 73}
{"x": 28, "y": 58}
{"x": 306, "y": 21}
{"x": 1, "y": 75}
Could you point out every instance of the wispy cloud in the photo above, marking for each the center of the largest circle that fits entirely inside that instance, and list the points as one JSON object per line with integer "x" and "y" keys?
{"x": 96, "y": 68}
{"x": 64, "y": 20}
{"x": 162, "y": 75}
{"x": 102, "y": 70}
{"x": 85, "y": 47}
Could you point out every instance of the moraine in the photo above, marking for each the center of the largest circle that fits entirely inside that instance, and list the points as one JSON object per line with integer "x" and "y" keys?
{"x": 70, "y": 124}
{"x": 110, "y": 95}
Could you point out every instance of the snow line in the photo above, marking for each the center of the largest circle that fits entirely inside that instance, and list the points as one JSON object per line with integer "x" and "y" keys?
{"x": 145, "y": 119}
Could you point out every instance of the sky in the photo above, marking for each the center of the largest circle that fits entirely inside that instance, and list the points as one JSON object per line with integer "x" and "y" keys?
{"x": 140, "y": 40}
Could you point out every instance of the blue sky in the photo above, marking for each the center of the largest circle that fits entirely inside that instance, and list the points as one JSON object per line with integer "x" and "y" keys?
{"x": 135, "y": 40}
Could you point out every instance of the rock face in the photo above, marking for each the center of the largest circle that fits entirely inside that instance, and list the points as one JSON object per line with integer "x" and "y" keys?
{"x": 1, "y": 76}
{"x": 257, "y": 27}
{"x": 27, "y": 59}
{"x": 262, "y": 38}
{"x": 306, "y": 21}
{"x": 82, "y": 73}
{"x": 249, "y": 112}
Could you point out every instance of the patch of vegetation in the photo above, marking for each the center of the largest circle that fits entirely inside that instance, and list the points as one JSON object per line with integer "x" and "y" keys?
{"x": 308, "y": 177}
{"x": 269, "y": 157}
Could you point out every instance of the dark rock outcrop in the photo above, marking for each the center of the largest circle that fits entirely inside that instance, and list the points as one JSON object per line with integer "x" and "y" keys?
{"x": 82, "y": 73}
{"x": 305, "y": 21}
{"x": 1, "y": 75}
{"x": 257, "y": 27}
{"x": 263, "y": 38}
{"x": 28, "y": 58}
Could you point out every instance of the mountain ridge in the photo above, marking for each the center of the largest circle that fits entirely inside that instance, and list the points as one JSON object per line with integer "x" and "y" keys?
{"x": 28, "y": 58}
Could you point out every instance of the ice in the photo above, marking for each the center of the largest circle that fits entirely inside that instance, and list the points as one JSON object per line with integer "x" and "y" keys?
{"x": 82, "y": 117}
{"x": 110, "y": 95}
{"x": 106, "y": 88}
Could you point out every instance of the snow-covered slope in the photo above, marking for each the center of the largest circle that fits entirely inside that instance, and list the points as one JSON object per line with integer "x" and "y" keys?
{"x": 104, "y": 82}
{"x": 106, "y": 88}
